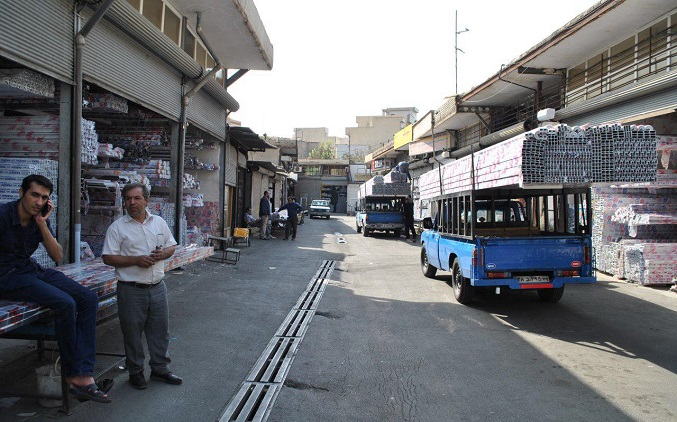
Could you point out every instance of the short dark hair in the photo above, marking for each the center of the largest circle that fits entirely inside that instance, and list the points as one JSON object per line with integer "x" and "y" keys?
{"x": 130, "y": 186}
{"x": 38, "y": 180}
{"x": 248, "y": 209}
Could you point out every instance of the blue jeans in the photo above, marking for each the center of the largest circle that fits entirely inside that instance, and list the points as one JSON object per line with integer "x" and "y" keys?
{"x": 74, "y": 308}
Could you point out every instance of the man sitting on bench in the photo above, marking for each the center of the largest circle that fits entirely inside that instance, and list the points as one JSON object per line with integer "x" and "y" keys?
{"x": 23, "y": 225}
{"x": 250, "y": 219}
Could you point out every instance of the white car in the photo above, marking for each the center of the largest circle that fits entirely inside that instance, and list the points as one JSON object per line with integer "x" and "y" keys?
{"x": 319, "y": 208}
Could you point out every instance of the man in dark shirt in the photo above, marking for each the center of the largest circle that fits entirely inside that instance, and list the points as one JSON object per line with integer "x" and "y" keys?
{"x": 408, "y": 212}
{"x": 23, "y": 225}
{"x": 264, "y": 215}
{"x": 293, "y": 209}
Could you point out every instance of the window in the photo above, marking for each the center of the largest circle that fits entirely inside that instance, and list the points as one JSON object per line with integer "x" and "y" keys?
{"x": 172, "y": 25}
{"x": 152, "y": 10}
{"x": 311, "y": 170}
{"x": 136, "y": 4}
{"x": 189, "y": 43}
{"x": 200, "y": 54}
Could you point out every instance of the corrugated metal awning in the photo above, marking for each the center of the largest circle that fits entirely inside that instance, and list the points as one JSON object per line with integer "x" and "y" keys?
{"x": 248, "y": 139}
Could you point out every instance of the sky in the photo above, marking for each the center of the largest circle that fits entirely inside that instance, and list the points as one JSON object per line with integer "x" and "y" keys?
{"x": 335, "y": 60}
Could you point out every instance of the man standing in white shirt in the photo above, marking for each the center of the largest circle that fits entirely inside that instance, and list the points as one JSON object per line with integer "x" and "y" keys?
{"x": 137, "y": 246}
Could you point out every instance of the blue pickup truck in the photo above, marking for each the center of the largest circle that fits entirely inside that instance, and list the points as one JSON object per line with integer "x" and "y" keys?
{"x": 519, "y": 239}
{"x": 380, "y": 213}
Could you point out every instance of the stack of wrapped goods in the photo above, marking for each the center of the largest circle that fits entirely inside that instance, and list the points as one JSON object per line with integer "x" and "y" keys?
{"x": 102, "y": 205}
{"x": 12, "y": 173}
{"x": 90, "y": 143}
{"x": 106, "y": 103}
{"x": 635, "y": 225}
{"x": 109, "y": 151}
{"x": 30, "y": 136}
{"x": 23, "y": 83}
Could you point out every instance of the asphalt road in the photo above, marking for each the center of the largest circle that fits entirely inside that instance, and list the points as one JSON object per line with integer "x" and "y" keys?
{"x": 387, "y": 344}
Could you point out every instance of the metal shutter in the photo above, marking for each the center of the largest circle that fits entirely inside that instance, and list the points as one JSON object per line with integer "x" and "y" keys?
{"x": 207, "y": 114}
{"x": 231, "y": 165}
{"x": 647, "y": 104}
{"x": 116, "y": 62}
{"x": 39, "y": 35}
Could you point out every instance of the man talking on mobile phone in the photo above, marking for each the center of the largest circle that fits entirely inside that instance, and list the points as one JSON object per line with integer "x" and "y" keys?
{"x": 23, "y": 225}
{"x": 137, "y": 245}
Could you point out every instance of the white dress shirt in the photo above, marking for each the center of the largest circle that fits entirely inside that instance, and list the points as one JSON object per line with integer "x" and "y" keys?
{"x": 128, "y": 237}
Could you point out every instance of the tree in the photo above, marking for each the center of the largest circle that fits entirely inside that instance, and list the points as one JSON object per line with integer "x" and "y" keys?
{"x": 355, "y": 158}
{"x": 324, "y": 151}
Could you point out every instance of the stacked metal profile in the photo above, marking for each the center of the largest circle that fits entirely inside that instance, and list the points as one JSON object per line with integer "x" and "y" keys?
{"x": 23, "y": 83}
{"x": 552, "y": 155}
{"x": 377, "y": 186}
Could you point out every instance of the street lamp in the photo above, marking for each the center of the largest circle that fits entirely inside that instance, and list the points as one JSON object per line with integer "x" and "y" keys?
{"x": 456, "y": 49}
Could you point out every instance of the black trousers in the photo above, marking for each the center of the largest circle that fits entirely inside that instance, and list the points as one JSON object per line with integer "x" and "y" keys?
{"x": 409, "y": 225}
{"x": 290, "y": 228}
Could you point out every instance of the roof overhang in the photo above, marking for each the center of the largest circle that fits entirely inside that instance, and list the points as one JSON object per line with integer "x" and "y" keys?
{"x": 598, "y": 28}
{"x": 234, "y": 29}
{"x": 247, "y": 139}
{"x": 264, "y": 165}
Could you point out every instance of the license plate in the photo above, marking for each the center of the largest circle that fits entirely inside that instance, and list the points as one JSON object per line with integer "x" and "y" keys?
{"x": 533, "y": 279}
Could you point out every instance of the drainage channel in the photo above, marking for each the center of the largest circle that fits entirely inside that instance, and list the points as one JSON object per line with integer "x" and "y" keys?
{"x": 256, "y": 396}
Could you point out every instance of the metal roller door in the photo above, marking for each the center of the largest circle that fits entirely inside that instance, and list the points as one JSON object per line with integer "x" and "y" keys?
{"x": 231, "y": 165}
{"x": 116, "y": 62}
{"x": 43, "y": 43}
{"x": 666, "y": 100}
{"x": 207, "y": 114}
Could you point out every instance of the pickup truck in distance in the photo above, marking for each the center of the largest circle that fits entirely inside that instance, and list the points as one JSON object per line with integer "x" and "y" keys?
{"x": 520, "y": 239}
{"x": 380, "y": 213}
{"x": 319, "y": 208}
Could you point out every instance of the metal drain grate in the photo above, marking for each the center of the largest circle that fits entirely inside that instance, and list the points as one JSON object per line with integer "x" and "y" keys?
{"x": 258, "y": 392}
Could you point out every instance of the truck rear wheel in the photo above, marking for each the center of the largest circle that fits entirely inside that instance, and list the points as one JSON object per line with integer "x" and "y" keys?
{"x": 397, "y": 232}
{"x": 365, "y": 232}
{"x": 463, "y": 290}
{"x": 551, "y": 295}
{"x": 428, "y": 270}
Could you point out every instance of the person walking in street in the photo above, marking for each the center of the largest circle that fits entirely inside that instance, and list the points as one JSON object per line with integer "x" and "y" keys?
{"x": 264, "y": 215}
{"x": 23, "y": 225}
{"x": 293, "y": 209}
{"x": 137, "y": 244}
{"x": 408, "y": 214}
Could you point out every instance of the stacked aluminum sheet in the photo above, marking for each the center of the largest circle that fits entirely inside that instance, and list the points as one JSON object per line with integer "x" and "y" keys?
{"x": 650, "y": 263}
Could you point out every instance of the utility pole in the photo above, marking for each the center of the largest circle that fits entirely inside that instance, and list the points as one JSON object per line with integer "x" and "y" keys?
{"x": 456, "y": 49}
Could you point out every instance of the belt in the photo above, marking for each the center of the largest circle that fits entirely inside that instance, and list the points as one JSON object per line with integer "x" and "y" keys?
{"x": 139, "y": 285}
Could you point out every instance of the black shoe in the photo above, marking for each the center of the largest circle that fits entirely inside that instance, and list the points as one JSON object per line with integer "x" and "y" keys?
{"x": 285, "y": 238}
{"x": 169, "y": 378}
{"x": 138, "y": 381}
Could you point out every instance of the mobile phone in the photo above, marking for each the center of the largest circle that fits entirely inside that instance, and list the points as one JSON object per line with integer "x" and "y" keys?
{"x": 45, "y": 209}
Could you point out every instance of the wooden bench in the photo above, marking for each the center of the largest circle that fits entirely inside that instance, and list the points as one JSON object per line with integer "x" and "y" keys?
{"x": 29, "y": 321}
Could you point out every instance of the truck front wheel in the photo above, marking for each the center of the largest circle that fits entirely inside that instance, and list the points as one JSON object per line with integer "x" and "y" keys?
{"x": 463, "y": 290}
{"x": 551, "y": 295}
{"x": 428, "y": 270}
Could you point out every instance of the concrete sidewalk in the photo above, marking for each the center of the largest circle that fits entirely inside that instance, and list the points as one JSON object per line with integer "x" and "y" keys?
{"x": 221, "y": 318}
